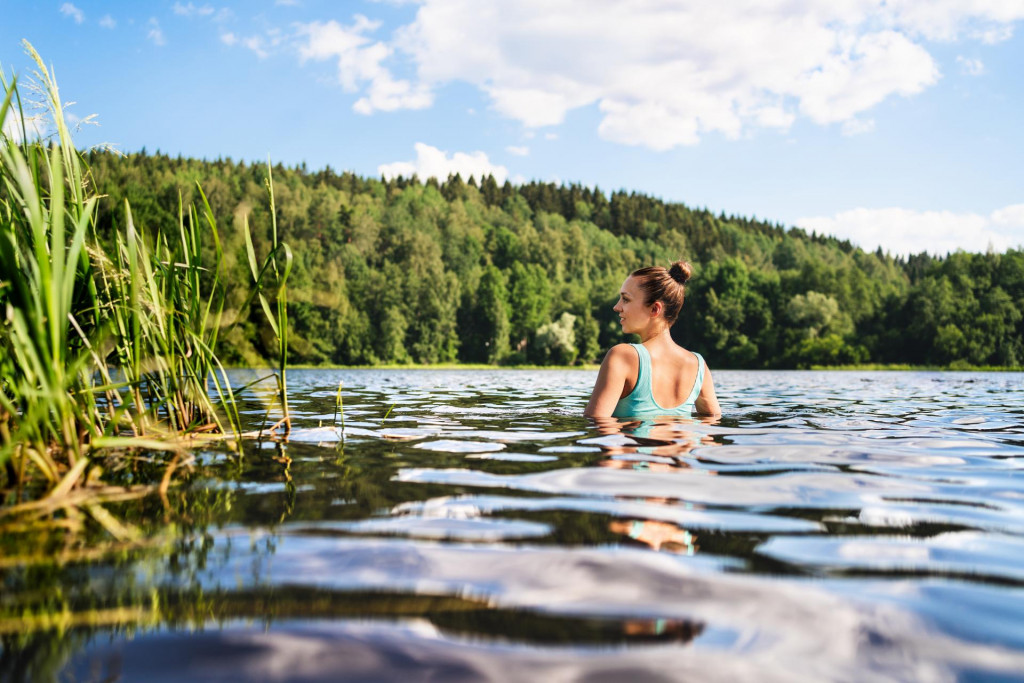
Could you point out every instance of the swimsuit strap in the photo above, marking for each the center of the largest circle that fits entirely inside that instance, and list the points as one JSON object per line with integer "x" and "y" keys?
{"x": 699, "y": 382}
{"x": 643, "y": 374}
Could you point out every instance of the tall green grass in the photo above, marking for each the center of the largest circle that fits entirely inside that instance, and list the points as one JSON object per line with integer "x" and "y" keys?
{"x": 100, "y": 348}
{"x": 271, "y": 277}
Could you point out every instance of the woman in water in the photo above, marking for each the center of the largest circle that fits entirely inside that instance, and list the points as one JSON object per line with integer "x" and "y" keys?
{"x": 657, "y": 376}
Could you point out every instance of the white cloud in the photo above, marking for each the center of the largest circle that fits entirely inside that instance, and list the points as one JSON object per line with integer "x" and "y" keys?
{"x": 664, "y": 73}
{"x": 156, "y": 34}
{"x": 35, "y": 126}
{"x": 261, "y": 45}
{"x": 191, "y": 10}
{"x": 904, "y": 231}
{"x": 946, "y": 20}
{"x": 518, "y": 151}
{"x": 257, "y": 45}
{"x": 995, "y": 35}
{"x": 857, "y": 126}
{"x": 108, "y": 22}
{"x": 876, "y": 66}
{"x": 971, "y": 67}
{"x": 1009, "y": 217}
{"x": 360, "y": 65}
{"x": 69, "y": 10}
{"x": 535, "y": 107}
{"x": 331, "y": 39}
{"x": 432, "y": 162}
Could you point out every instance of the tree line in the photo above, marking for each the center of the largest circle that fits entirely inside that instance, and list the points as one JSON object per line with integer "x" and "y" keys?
{"x": 404, "y": 271}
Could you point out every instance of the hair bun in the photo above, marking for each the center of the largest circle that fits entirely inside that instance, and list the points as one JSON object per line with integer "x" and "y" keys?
{"x": 680, "y": 271}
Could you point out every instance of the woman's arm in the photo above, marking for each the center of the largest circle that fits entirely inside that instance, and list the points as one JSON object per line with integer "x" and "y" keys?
{"x": 611, "y": 381}
{"x": 707, "y": 401}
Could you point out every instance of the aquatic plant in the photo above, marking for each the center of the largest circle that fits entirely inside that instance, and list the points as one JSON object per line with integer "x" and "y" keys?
{"x": 272, "y": 277}
{"x": 101, "y": 348}
{"x": 339, "y": 409}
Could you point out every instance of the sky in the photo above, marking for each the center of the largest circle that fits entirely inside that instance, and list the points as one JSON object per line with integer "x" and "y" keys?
{"x": 892, "y": 123}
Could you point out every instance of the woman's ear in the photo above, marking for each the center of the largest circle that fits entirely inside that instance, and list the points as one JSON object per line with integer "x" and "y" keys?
{"x": 657, "y": 308}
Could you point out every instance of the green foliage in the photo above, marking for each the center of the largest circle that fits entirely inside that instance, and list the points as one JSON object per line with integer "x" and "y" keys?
{"x": 486, "y": 326}
{"x": 555, "y": 342}
{"x": 398, "y": 271}
{"x": 273, "y": 275}
{"x": 103, "y": 343}
{"x": 530, "y": 301}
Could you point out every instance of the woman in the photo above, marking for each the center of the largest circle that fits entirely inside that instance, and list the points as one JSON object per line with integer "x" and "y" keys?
{"x": 657, "y": 376}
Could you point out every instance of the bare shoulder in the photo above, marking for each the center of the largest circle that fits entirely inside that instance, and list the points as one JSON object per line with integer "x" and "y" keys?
{"x": 613, "y": 380}
{"x": 621, "y": 351}
{"x": 622, "y": 356}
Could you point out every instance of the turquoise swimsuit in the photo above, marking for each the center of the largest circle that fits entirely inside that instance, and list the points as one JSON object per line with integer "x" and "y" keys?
{"x": 640, "y": 402}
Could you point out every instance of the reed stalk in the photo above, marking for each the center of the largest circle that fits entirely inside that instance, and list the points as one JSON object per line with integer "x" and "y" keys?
{"x": 100, "y": 349}
{"x": 272, "y": 277}
{"x": 339, "y": 409}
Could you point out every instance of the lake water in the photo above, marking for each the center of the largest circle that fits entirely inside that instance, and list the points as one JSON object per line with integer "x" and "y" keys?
{"x": 471, "y": 525}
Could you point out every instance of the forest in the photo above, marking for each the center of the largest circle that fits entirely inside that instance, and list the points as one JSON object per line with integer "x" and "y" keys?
{"x": 465, "y": 271}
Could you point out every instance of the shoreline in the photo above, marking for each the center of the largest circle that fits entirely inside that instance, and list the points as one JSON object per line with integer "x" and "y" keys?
{"x": 901, "y": 367}
{"x": 862, "y": 367}
{"x": 423, "y": 366}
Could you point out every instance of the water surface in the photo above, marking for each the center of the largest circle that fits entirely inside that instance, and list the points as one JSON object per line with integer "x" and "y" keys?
{"x": 468, "y": 525}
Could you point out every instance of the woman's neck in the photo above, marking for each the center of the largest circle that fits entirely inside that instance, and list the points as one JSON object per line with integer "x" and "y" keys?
{"x": 656, "y": 335}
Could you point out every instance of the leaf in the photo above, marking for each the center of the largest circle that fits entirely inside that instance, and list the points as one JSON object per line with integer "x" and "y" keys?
{"x": 250, "y": 251}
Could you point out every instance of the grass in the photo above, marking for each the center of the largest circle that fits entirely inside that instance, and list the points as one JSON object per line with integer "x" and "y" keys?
{"x": 272, "y": 276}
{"x": 104, "y": 351}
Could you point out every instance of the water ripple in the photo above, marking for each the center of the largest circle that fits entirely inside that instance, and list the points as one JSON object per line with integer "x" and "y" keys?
{"x": 472, "y": 525}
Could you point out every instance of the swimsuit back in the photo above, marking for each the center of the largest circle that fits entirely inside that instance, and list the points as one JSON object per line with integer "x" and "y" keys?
{"x": 640, "y": 402}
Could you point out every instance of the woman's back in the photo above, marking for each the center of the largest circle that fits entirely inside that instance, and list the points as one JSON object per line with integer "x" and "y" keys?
{"x": 673, "y": 372}
{"x": 665, "y": 383}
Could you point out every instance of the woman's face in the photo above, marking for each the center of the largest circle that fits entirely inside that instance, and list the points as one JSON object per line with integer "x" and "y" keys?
{"x": 633, "y": 314}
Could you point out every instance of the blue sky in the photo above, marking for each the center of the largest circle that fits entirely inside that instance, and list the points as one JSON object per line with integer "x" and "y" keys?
{"x": 892, "y": 123}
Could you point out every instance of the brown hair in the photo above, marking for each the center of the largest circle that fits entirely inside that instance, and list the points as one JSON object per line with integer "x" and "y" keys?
{"x": 667, "y": 285}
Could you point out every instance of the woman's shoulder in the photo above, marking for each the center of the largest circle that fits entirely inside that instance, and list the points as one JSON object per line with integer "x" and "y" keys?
{"x": 690, "y": 360}
{"x": 690, "y": 356}
{"x": 701, "y": 362}
{"x": 621, "y": 354}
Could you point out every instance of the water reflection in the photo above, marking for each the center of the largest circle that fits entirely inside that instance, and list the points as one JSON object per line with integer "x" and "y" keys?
{"x": 472, "y": 524}
{"x": 657, "y": 535}
{"x": 655, "y": 445}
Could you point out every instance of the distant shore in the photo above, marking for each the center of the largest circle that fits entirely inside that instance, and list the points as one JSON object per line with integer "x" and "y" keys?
{"x": 431, "y": 366}
{"x": 897, "y": 367}
{"x": 890, "y": 367}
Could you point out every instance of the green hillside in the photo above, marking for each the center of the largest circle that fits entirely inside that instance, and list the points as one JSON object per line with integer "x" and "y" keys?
{"x": 401, "y": 271}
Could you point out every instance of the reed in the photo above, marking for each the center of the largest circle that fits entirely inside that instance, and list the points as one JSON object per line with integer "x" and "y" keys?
{"x": 339, "y": 409}
{"x": 100, "y": 350}
{"x": 271, "y": 278}
{"x": 45, "y": 216}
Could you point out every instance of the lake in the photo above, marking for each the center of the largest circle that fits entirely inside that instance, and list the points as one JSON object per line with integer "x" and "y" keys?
{"x": 472, "y": 525}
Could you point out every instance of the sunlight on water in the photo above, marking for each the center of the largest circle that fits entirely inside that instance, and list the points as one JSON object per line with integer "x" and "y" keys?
{"x": 467, "y": 525}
